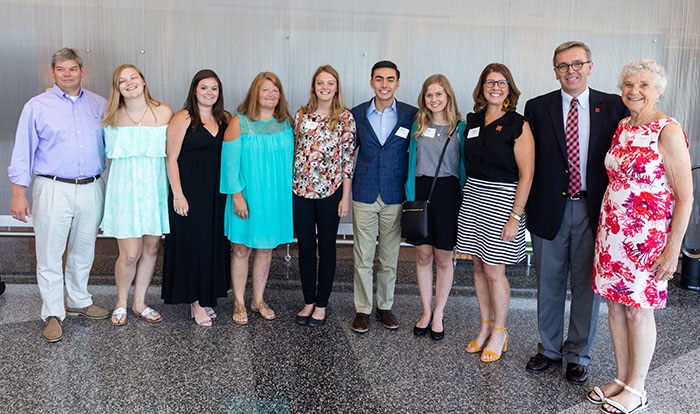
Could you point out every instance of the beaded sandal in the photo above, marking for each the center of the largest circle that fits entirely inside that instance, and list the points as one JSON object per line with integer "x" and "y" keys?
{"x": 240, "y": 316}
{"x": 264, "y": 311}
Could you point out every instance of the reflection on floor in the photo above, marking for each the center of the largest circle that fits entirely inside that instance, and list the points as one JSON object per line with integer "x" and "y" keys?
{"x": 279, "y": 367}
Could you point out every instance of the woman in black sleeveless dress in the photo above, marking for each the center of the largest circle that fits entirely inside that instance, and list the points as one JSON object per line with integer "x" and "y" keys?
{"x": 197, "y": 262}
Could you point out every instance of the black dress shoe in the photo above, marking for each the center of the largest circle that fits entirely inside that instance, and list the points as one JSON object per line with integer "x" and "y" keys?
{"x": 302, "y": 320}
{"x": 316, "y": 323}
{"x": 540, "y": 363}
{"x": 576, "y": 374}
{"x": 2, "y": 287}
{"x": 361, "y": 323}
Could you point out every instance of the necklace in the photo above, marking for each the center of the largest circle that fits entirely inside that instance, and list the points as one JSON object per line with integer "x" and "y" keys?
{"x": 648, "y": 119}
{"x": 441, "y": 130}
{"x": 126, "y": 111}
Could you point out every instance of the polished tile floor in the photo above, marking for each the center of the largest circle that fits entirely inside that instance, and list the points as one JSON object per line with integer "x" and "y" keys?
{"x": 279, "y": 367}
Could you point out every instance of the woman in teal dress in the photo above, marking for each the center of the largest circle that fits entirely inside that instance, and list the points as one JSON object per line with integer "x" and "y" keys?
{"x": 256, "y": 169}
{"x": 136, "y": 200}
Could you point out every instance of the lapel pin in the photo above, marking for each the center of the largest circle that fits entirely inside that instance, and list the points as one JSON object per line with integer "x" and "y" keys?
{"x": 498, "y": 128}
{"x": 597, "y": 110}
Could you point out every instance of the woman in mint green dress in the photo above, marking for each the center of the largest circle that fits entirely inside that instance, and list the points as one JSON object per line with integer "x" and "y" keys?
{"x": 256, "y": 169}
{"x": 136, "y": 200}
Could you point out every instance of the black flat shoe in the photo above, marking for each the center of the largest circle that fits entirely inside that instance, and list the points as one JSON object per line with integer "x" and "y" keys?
{"x": 436, "y": 336}
{"x": 316, "y": 323}
{"x": 420, "y": 331}
{"x": 302, "y": 320}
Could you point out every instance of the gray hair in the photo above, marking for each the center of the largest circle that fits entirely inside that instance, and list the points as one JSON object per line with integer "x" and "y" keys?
{"x": 645, "y": 66}
{"x": 570, "y": 45}
{"x": 64, "y": 54}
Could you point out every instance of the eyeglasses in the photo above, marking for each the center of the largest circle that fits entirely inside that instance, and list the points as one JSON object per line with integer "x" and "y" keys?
{"x": 492, "y": 83}
{"x": 564, "y": 67}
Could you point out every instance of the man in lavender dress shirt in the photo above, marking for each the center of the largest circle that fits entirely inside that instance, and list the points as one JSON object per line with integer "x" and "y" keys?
{"x": 59, "y": 139}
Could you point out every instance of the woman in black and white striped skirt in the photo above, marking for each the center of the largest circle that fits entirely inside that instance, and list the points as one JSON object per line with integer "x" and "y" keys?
{"x": 491, "y": 227}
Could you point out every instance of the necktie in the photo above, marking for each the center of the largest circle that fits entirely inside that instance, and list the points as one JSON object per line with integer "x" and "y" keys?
{"x": 572, "y": 148}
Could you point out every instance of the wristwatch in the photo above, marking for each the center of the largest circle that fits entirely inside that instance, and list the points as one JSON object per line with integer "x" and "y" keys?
{"x": 516, "y": 216}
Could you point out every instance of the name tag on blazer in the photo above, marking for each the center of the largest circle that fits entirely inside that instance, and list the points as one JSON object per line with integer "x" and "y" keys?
{"x": 402, "y": 132}
{"x": 473, "y": 133}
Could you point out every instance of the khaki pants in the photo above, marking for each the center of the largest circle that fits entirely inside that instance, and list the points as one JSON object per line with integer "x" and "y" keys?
{"x": 369, "y": 221}
{"x": 65, "y": 212}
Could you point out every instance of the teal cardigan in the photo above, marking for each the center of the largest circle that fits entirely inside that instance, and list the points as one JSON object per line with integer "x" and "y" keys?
{"x": 410, "y": 185}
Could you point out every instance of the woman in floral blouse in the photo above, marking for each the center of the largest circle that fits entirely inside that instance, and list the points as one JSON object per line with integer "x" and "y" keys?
{"x": 321, "y": 183}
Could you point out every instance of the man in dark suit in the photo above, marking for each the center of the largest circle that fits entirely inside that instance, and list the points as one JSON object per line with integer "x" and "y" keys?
{"x": 573, "y": 129}
{"x": 383, "y": 125}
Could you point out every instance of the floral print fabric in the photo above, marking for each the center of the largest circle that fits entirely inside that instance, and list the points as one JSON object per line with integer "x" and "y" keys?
{"x": 323, "y": 157}
{"x": 635, "y": 218}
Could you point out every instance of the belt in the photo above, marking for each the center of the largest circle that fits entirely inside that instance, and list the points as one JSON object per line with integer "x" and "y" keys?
{"x": 87, "y": 180}
{"x": 578, "y": 196}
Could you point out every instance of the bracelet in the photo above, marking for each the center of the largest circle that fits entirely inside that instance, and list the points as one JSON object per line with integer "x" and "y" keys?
{"x": 175, "y": 198}
{"x": 516, "y": 216}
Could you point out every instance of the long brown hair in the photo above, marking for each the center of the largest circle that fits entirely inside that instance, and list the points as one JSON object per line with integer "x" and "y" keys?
{"x": 116, "y": 100}
{"x": 249, "y": 106}
{"x": 511, "y": 101}
{"x": 337, "y": 106}
{"x": 425, "y": 116}
{"x": 217, "y": 111}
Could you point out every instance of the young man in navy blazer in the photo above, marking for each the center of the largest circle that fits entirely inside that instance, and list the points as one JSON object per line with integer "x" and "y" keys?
{"x": 563, "y": 225}
{"x": 383, "y": 127}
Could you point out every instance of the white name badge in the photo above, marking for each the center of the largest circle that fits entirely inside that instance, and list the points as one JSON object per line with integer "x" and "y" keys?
{"x": 311, "y": 125}
{"x": 641, "y": 141}
{"x": 474, "y": 132}
{"x": 429, "y": 133}
{"x": 402, "y": 132}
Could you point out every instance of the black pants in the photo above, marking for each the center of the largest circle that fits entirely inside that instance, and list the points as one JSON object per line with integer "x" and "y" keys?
{"x": 310, "y": 216}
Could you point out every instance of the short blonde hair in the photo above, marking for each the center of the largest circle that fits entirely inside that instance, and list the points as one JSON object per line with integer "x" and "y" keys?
{"x": 642, "y": 66}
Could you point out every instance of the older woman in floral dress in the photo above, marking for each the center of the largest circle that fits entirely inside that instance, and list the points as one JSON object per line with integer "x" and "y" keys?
{"x": 645, "y": 213}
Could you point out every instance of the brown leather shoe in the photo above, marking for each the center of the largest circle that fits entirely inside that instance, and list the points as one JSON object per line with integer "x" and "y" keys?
{"x": 52, "y": 329}
{"x": 91, "y": 312}
{"x": 361, "y": 323}
{"x": 387, "y": 319}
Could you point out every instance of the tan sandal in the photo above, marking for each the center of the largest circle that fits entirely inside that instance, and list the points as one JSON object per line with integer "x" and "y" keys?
{"x": 264, "y": 311}
{"x": 473, "y": 347}
{"x": 240, "y": 316}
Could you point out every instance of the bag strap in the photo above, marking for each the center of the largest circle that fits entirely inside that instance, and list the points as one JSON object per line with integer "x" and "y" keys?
{"x": 298, "y": 126}
{"x": 437, "y": 170}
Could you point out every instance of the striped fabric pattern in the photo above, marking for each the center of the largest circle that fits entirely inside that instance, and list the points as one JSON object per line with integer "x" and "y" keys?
{"x": 485, "y": 209}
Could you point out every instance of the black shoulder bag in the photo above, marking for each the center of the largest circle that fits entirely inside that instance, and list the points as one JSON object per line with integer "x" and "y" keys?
{"x": 414, "y": 214}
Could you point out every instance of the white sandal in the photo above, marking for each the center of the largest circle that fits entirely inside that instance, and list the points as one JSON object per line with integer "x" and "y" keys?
{"x": 155, "y": 316}
{"x": 599, "y": 392}
{"x": 120, "y": 315}
{"x": 643, "y": 405}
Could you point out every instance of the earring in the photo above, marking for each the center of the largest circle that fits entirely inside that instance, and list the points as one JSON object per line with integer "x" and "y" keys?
{"x": 506, "y": 103}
